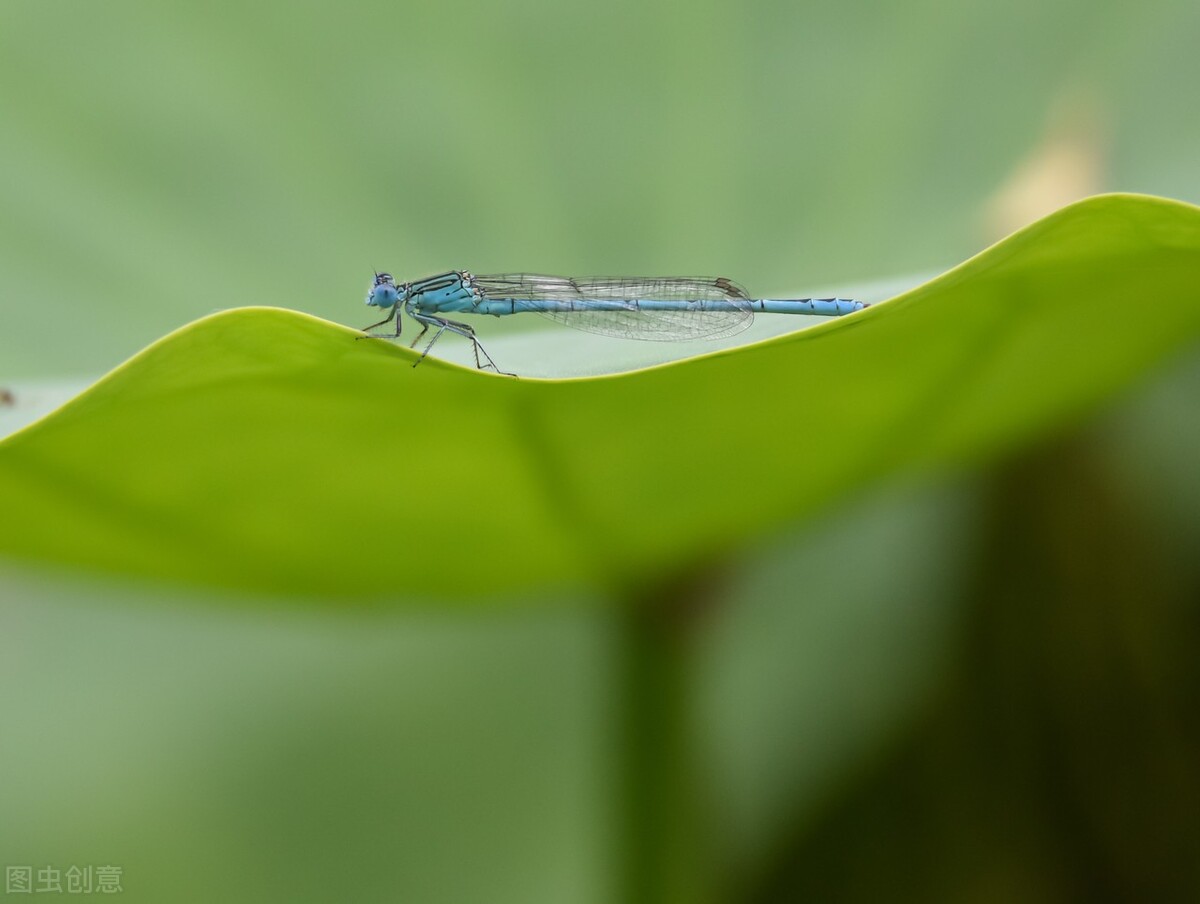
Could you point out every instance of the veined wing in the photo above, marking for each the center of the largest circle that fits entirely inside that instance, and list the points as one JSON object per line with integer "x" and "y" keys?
{"x": 628, "y": 321}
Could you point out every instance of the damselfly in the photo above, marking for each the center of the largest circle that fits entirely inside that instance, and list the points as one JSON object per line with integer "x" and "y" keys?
{"x": 662, "y": 308}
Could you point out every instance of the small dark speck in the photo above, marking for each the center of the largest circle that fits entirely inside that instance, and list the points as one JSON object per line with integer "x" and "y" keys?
{"x": 7, "y": 399}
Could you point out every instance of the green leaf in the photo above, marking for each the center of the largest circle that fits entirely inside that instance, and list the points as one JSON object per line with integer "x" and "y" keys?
{"x": 268, "y": 450}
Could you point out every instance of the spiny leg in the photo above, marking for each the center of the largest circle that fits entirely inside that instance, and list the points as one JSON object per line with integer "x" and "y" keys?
{"x": 424, "y": 330}
{"x": 460, "y": 329}
{"x": 479, "y": 349}
{"x": 395, "y": 313}
{"x": 468, "y": 332}
{"x": 436, "y": 337}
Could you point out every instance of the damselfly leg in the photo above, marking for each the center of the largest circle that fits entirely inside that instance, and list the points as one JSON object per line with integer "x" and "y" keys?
{"x": 383, "y": 322}
{"x": 461, "y": 329}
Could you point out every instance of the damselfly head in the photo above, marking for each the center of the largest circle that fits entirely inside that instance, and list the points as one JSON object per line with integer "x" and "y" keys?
{"x": 383, "y": 292}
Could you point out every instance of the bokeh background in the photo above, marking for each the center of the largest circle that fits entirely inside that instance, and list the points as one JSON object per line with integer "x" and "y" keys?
{"x": 974, "y": 687}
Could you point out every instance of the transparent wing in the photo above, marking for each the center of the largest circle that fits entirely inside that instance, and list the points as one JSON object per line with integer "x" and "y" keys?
{"x": 630, "y": 322}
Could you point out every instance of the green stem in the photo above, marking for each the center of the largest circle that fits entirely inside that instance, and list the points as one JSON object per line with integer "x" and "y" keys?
{"x": 665, "y": 825}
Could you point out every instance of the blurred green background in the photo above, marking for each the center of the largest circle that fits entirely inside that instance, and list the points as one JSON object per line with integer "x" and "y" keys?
{"x": 977, "y": 687}
{"x": 164, "y": 162}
